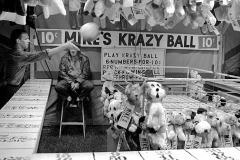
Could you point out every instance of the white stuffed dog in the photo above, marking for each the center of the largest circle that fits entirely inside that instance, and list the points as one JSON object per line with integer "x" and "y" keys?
{"x": 156, "y": 113}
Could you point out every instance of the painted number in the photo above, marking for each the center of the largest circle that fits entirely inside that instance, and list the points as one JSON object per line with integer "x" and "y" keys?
{"x": 207, "y": 42}
{"x": 48, "y": 37}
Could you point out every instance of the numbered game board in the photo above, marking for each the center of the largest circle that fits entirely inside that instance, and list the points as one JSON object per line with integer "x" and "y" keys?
{"x": 63, "y": 156}
{"x": 178, "y": 102}
{"x": 166, "y": 154}
{"x": 16, "y": 154}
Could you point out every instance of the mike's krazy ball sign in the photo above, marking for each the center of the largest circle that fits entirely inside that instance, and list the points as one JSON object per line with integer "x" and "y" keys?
{"x": 108, "y": 39}
{"x": 134, "y": 60}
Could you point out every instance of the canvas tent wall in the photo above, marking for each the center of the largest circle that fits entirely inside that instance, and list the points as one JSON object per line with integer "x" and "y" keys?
{"x": 231, "y": 61}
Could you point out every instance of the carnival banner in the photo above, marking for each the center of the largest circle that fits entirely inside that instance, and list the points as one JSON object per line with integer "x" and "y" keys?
{"x": 134, "y": 60}
{"x": 108, "y": 39}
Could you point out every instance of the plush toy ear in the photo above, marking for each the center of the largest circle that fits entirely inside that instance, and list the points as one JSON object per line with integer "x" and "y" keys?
{"x": 115, "y": 90}
{"x": 128, "y": 88}
{"x": 141, "y": 120}
{"x": 147, "y": 90}
{"x": 144, "y": 85}
{"x": 193, "y": 115}
{"x": 107, "y": 91}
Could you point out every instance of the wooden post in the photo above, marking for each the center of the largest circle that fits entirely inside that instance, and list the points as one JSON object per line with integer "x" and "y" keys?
{"x": 32, "y": 32}
{"x": 221, "y": 58}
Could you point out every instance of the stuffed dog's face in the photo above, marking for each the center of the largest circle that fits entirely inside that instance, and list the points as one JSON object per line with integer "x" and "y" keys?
{"x": 108, "y": 76}
{"x": 155, "y": 92}
{"x": 231, "y": 119}
{"x": 223, "y": 128}
{"x": 212, "y": 119}
{"x": 114, "y": 106}
{"x": 133, "y": 92}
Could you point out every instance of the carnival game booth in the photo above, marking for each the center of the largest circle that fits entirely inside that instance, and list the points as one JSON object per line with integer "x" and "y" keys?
{"x": 133, "y": 48}
{"x": 149, "y": 40}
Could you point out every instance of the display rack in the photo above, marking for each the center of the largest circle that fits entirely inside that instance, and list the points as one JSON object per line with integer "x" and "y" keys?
{"x": 215, "y": 79}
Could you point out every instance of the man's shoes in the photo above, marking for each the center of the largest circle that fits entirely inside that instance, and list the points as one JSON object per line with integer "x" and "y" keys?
{"x": 73, "y": 105}
{"x": 69, "y": 98}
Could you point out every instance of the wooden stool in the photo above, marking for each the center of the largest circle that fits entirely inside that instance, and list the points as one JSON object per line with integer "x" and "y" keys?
{"x": 80, "y": 104}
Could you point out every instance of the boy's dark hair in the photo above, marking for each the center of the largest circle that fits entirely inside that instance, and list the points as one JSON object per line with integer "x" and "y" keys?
{"x": 17, "y": 33}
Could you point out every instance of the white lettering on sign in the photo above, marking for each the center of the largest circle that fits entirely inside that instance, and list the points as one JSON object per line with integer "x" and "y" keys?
{"x": 207, "y": 42}
{"x": 109, "y": 39}
{"x": 49, "y": 37}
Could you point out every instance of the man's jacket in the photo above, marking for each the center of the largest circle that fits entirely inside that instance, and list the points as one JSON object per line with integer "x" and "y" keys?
{"x": 74, "y": 70}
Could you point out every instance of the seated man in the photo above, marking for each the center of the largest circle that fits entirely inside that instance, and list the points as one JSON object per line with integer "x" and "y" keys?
{"x": 74, "y": 74}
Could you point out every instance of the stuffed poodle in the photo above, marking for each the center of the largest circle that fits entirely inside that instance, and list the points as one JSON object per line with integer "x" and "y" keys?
{"x": 155, "y": 118}
{"x": 203, "y": 130}
{"x": 156, "y": 112}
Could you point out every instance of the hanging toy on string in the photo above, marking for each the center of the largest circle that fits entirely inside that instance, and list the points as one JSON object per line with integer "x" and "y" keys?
{"x": 89, "y": 31}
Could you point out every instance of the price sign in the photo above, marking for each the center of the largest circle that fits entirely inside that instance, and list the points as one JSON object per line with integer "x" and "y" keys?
{"x": 126, "y": 116}
{"x": 207, "y": 42}
{"x": 49, "y": 37}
